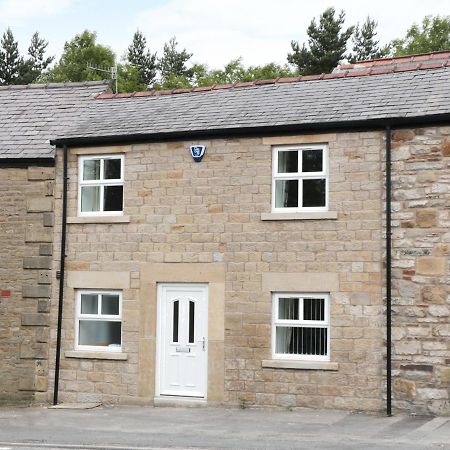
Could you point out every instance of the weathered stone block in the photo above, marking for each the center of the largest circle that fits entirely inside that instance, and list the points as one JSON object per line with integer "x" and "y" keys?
{"x": 438, "y": 310}
{"x": 48, "y": 219}
{"x": 44, "y": 277}
{"x": 434, "y": 294}
{"x": 433, "y": 393}
{"x": 37, "y": 262}
{"x": 446, "y": 147}
{"x": 426, "y": 218}
{"x": 43, "y": 306}
{"x": 430, "y": 265}
{"x": 407, "y": 347}
{"x": 403, "y": 135}
{"x": 36, "y": 291}
{"x": 30, "y": 350}
{"x": 33, "y": 319}
{"x": 41, "y": 173}
{"x": 46, "y": 249}
{"x": 405, "y": 388}
{"x": 39, "y": 204}
{"x": 37, "y": 233}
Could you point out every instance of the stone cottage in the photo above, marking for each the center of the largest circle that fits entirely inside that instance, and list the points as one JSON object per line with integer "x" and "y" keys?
{"x": 230, "y": 244}
{"x": 29, "y": 117}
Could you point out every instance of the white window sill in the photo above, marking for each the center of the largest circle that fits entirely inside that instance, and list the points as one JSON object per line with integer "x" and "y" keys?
{"x": 99, "y": 219}
{"x": 319, "y": 215}
{"x": 96, "y": 355}
{"x": 305, "y": 365}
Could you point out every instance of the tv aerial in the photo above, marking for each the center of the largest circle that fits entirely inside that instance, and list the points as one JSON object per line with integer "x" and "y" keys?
{"x": 112, "y": 71}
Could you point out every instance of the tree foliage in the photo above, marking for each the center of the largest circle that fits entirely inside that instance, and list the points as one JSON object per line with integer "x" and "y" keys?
{"x": 365, "y": 45}
{"x": 172, "y": 66}
{"x": 432, "y": 35}
{"x": 79, "y": 55}
{"x": 10, "y": 60}
{"x": 37, "y": 62}
{"x": 140, "y": 57}
{"x": 327, "y": 44}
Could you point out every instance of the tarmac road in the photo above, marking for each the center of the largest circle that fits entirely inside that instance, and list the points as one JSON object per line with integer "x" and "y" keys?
{"x": 144, "y": 427}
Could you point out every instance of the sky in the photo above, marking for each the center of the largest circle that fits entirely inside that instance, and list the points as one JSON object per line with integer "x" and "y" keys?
{"x": 215, "y": 31}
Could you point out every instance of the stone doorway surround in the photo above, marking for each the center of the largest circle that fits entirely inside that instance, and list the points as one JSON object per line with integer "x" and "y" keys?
{"x": 153, "y": 273}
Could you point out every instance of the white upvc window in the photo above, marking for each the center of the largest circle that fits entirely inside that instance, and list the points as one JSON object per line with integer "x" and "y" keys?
{"x": 98, "y": 320}
{"x": 100, "y": 185}
{"x": 301, "y": 326}
{"x": 300, "y": 178}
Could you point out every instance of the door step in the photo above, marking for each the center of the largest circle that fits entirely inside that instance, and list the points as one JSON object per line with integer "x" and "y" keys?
{"x": 185, "y": 402}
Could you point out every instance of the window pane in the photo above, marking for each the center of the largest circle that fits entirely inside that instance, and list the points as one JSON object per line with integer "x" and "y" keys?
{"x": 112, "y": 169}
{"x": 191, "y": 322}
{"x": 89, "y": 304}
{"x": 312, "y": 161}
{"x": 90, "y": 198}
{"x": 288, "y": 162}
{"x": 301, "y": 341}
{"x": 314, "y": 192}
{"x": 176, "y": 312}
{"x": 286, "y": 193}
{"x": 110, "y": 305}
{"x": 113, "y": 200}
{"x": 100, "y": 333}
{"x": 288, "y": 309}
{"x": 91, "y": 169}
{"x": 314, "y": 309}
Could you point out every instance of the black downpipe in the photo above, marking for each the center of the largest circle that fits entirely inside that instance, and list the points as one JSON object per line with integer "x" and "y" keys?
{"x": 388, "y": 275}
{"x": 61, "y": 277}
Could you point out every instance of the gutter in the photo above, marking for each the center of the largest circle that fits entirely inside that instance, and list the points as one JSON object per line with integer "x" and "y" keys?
{"x": 26, "y": 162}
{"x": 388, "y": 273}
{"x": 61, "y": 277}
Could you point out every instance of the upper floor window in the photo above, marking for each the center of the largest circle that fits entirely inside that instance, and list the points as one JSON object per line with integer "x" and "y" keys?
{"x": 100, "y": 190}
{"x": 300, "y": 178}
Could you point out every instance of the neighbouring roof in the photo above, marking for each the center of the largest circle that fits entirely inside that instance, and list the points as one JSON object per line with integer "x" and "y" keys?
{"x": 294, "y": 104}
{"x": 31, "y": 115}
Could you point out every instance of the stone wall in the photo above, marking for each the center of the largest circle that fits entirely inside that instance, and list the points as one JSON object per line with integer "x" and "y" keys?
{"x": 421, "y": 247}
{"x": 26, "y": 221}
{"x": 179, "y": 211}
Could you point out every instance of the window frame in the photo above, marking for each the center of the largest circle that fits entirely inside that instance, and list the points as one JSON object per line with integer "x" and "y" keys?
{"x": 300, "y": 323}
{"x": 300, "y": 176}
{"x": 101, "y": 182}
{"x": 98, "y": 317}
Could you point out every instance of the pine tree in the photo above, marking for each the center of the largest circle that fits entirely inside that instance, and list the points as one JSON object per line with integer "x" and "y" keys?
{"x": 33, "y": 67}
{"x": 364, "y": 44}
{"x": 172, "y": 65}
{"x": 142, "y": 59}
{"x": 10, "y": 60}
{"x": 327, "y": 44}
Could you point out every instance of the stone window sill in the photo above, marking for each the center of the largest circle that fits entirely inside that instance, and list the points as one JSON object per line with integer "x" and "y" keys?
{"x": 96, "y": 355}
{"x": 322, "y": 215}
{"x": 99, "y": 219}
{"x": 305, "y": 365}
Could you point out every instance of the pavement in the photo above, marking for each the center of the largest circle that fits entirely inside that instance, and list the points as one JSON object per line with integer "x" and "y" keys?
{"x": 146, "y": 427}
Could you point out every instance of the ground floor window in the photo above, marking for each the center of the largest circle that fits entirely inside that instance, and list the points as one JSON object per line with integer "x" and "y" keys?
{"x": 98, "y": 320}
{"x": 301, "y": 326}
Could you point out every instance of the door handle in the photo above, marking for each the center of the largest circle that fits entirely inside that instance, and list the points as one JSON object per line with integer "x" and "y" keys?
{"x": 203, "y": 341}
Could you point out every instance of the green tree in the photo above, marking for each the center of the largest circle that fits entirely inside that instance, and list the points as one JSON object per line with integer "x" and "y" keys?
{"x": 79, "y": 54}
{"x": 365, "y": 45}
{"x": 172, "y": 66}
{"x": 432, "y": 35}
{"x": 129, "y": 79}
{"x": 10, "y": 60}
{"x": 34, "y": 66}
{"x": 142, "y": 59}
{"x": 327, "y": 44}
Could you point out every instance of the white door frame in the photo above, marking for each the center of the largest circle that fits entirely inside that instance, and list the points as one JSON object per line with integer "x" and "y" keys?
{"x": 161, "y": 344}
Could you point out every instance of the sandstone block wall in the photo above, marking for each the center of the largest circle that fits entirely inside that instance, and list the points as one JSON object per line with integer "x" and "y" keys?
{"x": 421, "y": 247}
{"x": 185, "y": 212}
{"x": 26, "y": 232}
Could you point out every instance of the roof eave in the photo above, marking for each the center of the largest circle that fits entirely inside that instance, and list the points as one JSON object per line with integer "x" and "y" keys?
{"x": 353, "y": 125}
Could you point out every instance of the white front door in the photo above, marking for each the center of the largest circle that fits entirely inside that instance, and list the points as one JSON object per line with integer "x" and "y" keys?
{"x": 182, "y": 333}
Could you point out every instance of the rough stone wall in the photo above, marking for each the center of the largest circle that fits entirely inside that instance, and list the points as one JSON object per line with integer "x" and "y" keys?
{"x": 26, "y": 221}
{"x": 181, "y": 211}
{"x": 421, "y": 247}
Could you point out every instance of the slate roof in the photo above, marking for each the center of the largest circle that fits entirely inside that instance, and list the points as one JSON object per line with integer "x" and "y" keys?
{"x": 31, "y": 115}
{"x": 318, "y": 101}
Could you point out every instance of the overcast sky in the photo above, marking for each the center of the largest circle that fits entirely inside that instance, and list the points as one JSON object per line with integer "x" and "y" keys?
{"x": 216, "y": 31}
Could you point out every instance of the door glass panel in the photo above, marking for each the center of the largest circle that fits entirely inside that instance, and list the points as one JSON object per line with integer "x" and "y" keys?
{"x": 191, "y": 321}
{"x": 176, "y": 313}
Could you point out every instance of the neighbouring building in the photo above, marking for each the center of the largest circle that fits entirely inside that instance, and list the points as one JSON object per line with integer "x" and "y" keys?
{"x": 227, "y": 245}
